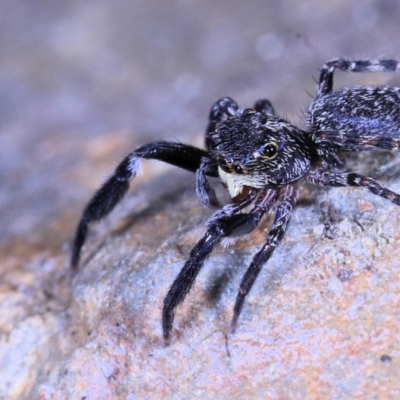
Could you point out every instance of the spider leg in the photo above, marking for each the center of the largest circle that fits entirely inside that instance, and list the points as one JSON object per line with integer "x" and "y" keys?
{"x": 325, "y": 83}
{"x": 264, "y": 106}
{"x": 286, "y": 200}
{"x": 330, "y": 153}
{"x": 338, "y": 178}
{"x": 225, "y": 107}
{"x": 351, "y": 141}
{"x": 108, "y": 196}
{"x": 226, "y": 223}
{"x": 204, "y": 191}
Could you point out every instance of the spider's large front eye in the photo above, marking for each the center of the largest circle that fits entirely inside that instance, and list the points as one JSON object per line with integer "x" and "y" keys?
{"x": 238, "y": 169}
{"x": 225, "y": 168}
{"x": 225, "y": 165}
{"x": 269, "y": 150}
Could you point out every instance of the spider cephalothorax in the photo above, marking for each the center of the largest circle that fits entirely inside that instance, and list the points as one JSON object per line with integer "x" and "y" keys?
{"x": 260, "y": 158}
{"x": 258, "y": 150}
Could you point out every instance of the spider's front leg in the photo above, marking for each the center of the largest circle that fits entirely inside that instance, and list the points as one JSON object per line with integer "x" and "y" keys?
{"x": 264, "y": 106}
{"x": 204, "y": 191}
{"x": 287, "y": 199}
{"x": 227, "y": 222}
{"x": 223, "y": 108}
{"x": 108, "y": 196}
{"x": 227, "y": 107}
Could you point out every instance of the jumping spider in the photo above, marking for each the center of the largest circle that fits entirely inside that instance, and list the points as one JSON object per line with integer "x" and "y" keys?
{"x": 260, "y": 158}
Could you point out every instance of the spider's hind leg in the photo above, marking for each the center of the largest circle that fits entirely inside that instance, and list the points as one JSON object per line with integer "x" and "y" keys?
{"x": 325, "y": 83}
{"x": 338, "y": 178}
{"x": 113, "y": 190}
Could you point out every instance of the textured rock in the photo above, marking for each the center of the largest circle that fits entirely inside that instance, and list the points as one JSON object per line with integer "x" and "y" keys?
{"x": 322, "y": 310}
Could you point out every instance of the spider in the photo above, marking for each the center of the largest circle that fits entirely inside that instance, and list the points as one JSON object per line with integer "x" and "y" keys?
{"x": 260, "y": 158}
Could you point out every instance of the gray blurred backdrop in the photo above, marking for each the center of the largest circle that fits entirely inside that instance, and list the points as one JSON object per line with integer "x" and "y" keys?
{"x": 84, "y": 82}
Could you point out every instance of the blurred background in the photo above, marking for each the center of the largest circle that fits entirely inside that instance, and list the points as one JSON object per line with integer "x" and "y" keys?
{"x": 83, "y": 83}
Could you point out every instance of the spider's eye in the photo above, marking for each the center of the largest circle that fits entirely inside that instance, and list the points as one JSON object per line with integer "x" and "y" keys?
{"x": 230, "y": 167}
{"x": 269, "y": 150}
{"x": 238, "y": 169}
{"x": 225, "y": 168}
{"x": 226, "y": 165}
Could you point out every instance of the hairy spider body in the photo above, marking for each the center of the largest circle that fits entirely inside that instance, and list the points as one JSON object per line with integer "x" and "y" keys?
{"x": 260, "y": 158}
{"x": 257, "y": 150}
{"x": 375, "y": 122}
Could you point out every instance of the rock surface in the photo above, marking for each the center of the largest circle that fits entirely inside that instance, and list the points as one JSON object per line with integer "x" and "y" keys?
{"x": 82, "y": 84}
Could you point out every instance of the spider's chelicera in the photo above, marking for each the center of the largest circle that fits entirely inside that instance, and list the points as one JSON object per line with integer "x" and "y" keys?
{"x": 260, "y": 158}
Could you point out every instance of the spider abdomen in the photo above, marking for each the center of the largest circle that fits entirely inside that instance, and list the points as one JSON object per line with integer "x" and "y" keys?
{"x": 358, "y": 118}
